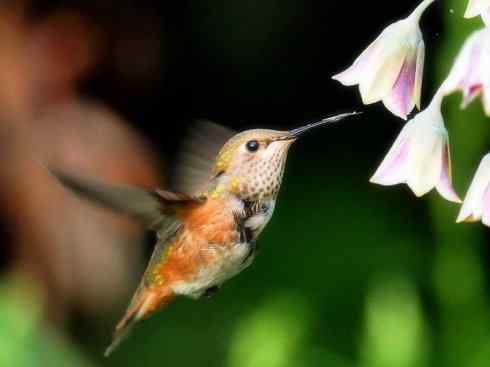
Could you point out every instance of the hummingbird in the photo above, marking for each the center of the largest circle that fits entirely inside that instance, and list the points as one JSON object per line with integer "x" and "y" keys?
{"x": 206, "y": 237}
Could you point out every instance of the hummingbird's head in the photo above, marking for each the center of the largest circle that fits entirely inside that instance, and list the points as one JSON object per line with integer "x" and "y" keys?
{"x": 251, "y": 164}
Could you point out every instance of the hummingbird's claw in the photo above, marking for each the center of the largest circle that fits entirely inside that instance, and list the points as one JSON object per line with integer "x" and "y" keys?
{"x": 253, "y": 250}
{"x": 210, "y": 292}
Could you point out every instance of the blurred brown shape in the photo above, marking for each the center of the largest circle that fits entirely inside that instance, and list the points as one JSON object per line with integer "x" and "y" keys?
{"x": 66, "y": 47}
{"x": 85, "y": 257}
{"x": 13, "y": 65}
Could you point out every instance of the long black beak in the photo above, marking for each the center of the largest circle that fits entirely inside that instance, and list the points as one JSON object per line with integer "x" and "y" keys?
{"x": 296, "y": 133}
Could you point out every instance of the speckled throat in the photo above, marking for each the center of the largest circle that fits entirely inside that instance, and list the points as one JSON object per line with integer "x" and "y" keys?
{"x": 263, "y": 179}
{"x": 259, "y": 179}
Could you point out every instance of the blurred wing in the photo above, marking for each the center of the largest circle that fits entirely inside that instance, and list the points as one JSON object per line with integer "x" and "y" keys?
{"x": 197, "y": 154}
{"x": 155, "y": 209}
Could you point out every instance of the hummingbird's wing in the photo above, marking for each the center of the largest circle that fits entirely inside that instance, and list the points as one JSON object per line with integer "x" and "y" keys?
{"x": 155, "y": 209}
{"x": 197, "y": 154}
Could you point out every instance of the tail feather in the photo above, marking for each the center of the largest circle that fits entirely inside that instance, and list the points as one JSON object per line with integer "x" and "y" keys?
{"x": 145, "y": 304}
{"x": 121, "y": 333}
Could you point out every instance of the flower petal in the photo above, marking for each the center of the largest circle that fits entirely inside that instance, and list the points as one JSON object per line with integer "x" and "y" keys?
{"x": 392, "y": 170}
{"x": 471, "y": 83}
{"x": 486, "y": 207}
{"x": 400, "y": 101}
{"x": 485, "y": 78}
{"x": 353, "y": 74}
{"x": 384, "y": 70}
{"x": 472, "y": 208}
{"x": 471, "y": 201}
{"x": 485, "y": 15}
{"x": 445, "y": 186}
{"x": 470, "y": 94}
{"x": 476, "y": 7}
{"x": 470, "y": 72}
{"x": 419, "y": 73}
{"x": 465, "y": 69}
{"x": 466, "y": 212}
{"x": 386, "y": 62}
{"x": 486, "y": 100}
{"x": 425, "y": 163}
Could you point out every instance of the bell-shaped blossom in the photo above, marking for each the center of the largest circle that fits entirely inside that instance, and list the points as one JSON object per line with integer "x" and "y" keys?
{"x": 476, "y": 205}
{"x": 471, "y": 70}
{"x": 478, "y": 7}
{"x": 420, "y": 156}
{"x": 391, "y": 68}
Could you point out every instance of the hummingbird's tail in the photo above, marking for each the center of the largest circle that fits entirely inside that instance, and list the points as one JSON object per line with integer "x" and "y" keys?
{"x": 120, "y": 334}
{"x": 144, "y": 304}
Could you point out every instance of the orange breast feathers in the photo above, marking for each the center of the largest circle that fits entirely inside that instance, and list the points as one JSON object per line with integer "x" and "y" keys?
{"x": 212, "y": 221}
{"x": 207, "y": 228}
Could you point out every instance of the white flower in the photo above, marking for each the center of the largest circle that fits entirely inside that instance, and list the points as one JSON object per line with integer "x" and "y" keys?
{"x": 420, "y": 156}
{"x": 471, "y": 70}
{"x": 478, "y": 7}
{"x": 476, "y": 205}
{"x": 391, "y": 68}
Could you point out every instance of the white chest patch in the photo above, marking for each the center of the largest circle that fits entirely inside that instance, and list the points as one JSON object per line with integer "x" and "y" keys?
{"x": 231, "y": 263}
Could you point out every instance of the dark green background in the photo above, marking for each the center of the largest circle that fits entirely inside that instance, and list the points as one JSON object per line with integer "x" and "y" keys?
{"x": 349, "y": 274}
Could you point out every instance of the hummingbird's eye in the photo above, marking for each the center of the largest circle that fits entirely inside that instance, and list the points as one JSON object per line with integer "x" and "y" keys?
{"x": 252, "y": 145}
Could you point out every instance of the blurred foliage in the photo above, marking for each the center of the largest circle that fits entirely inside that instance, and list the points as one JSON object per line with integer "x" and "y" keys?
{"x": 395, "y": 335}
{"x": 460, "y": 287}
{"x": 26, "y": 340}
{"x": 349, "y": 274}
{"x": 274, "y": 331}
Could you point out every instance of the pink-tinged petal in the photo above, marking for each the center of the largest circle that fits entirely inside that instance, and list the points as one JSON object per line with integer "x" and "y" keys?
{"x": 361, "y": 65}
{"x": 392, "y": 170}
{"x": 419, "y": 73}
{"x": 485, "y": 88}
{"x": 471, "y": 73}
{"x": 471, "y": 82}
{"x": 391, "y": 68}
{"x": 486, "y": 16}
{"x": 469, "y": 94}
{"x": 425, "y": 161}
{"x": 465, "y": 215}
{"x": 383, "y": 74}
{"x": 353, "y": 74}
{"x": 445, "y": 185}
{"x": 420, "y": 156}
{"x": 476, "y": 7}
{"x": 423, "y": 169}
{"x": 464, "y": 72}
{"x": 486, "y": 100}
{"x": 472, "y": 201}
{"x": 486, "y": 207}
{"x": 472, "y": 208}
{"x": 400, "y": 101}
{"x": 485, "y": 74}
{"x": 466, "y": 211}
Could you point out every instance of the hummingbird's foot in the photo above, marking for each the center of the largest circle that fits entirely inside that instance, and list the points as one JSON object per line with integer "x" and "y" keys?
{"x": 253, "y": 250}
{"x": 254, "y": 247}
{"x": 210, "y": 292}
